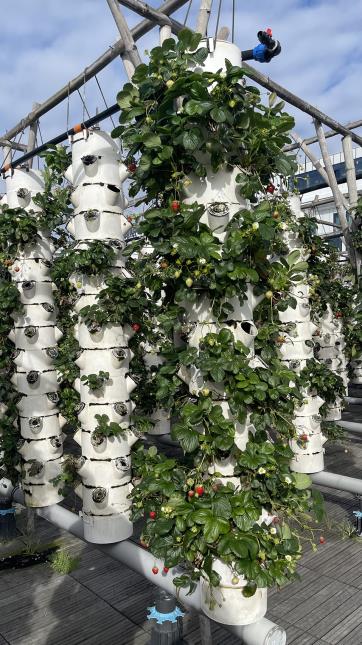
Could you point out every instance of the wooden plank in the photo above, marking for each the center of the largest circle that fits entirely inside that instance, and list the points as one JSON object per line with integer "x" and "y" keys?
{"x": 86, "y": 623}
{"x": 331, "y": 565}
{"x": 303, "y": 639}
{"x": 346, "y": 625}
{"x": 299, "y": 604}
{"x": 326, "y": 624}
{"x": 313, "y": 616}
{"x": 292, "y": 595}
{"x": 348, "y": 570}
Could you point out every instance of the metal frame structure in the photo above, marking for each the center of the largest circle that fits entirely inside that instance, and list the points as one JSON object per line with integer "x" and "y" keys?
{"x": 126, "y": 48}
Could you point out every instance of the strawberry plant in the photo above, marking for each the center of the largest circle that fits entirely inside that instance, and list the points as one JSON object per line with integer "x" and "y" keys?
{"x": 107, "y": 428}
{"x": 216, "y": 124}
{"x": 121, "y": 301}
{"x": 95, "y": 381}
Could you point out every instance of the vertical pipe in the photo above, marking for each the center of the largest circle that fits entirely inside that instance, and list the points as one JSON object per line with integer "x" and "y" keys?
{"x": 316, "y": 163}
{"x": 33, "y": 129}
{"x": 350, "y": 171}
{"x": 165, "y": 32}
{"x": 130, "y": 57}
{"x": 203, "y": 17}
{"x": 335, "y": 191}
{"x": 352, "y": 188}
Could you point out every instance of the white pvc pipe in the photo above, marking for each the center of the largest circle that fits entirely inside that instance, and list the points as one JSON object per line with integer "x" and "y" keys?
{"x": 352, "y": 426}
{"x": 353, "y": 400}
{"x": 340, "y": 482}
{"x": 264, "y": 632}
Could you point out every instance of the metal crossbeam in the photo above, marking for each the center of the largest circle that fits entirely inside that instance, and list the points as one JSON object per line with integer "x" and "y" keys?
{"x": 91, "y": 70}
{"x": 351, "y": 125}
{"x": 268, "y": 83}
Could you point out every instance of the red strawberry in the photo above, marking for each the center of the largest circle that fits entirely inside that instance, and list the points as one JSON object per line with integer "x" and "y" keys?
{"x": 303, "y": 437}
{"x": 322, "y": 540}
{"x": 175, "y": 206}
{"x": 199, "y": 490}
{"x": 132, "y": 167}
{"x": 339, "y": 314}
{"x": 270, "y": 188}
{"x": 153, "y": 515}
{"x": 136, "y": 327}
{"x": 191, "y": 493}
{"x": 166, "y": 569}
{"x": 155, "y": 570}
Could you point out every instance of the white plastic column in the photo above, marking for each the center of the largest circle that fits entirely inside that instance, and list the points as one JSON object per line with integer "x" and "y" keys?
{"x": 220, "y": 196}
{"x": 97, "y": 176}
{"x": 330, "y": 351}
{"x": 35, "y": 336}
{"x": 356, "y": 364}
{"x": 297, "y": 329}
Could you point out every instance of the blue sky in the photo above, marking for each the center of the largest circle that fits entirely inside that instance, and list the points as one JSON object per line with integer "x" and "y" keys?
{"x": 46, "y": 42}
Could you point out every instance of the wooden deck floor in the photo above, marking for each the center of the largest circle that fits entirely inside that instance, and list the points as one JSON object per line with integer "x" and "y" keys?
{"x": 104, "y": 603}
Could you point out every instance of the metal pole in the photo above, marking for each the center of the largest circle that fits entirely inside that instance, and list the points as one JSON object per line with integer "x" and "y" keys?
{"x": 353, "y": 400}
{"x": 352, "y": 426}
{"x": 33, "y": 129}
{"x": 113, "y": 109}
{"x": 15, "y": 146}
{"x": 316, "y": 163}
{"x": 352, "y": 190}
{"x": 165, "y": 33}
{"x": 295, "y": 100}
{"x": 340, "y": 482}
{"x": 7, "y": 155}
{"x": 91, "y": 70}
{"x": 146, "y": 11}
{"x": 351, "y": 125}
{"x": 264, "y": 632}
{"x": 323, "y": 221}
{"x": 203, "y": 17}
{"x": 130, "y": 57}
{"x": 350, "y": 171}
{"x": 335, "y": 191}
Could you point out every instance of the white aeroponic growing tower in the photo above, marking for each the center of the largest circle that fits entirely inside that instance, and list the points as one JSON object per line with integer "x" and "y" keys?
{"x": 97, "y": 176}
{"x": 35, "y": 336}
{"x": 330, "y": 351}
{"x": 220, "y": 196}
{"x": 297, "y": 330}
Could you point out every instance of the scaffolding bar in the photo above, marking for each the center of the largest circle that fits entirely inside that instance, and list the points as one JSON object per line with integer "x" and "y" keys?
{"x": 91, "y": 70}
{"x": 299, "y": 103}
{"x": 351, "y": 125}
{"x": 94, "y": 120}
